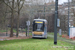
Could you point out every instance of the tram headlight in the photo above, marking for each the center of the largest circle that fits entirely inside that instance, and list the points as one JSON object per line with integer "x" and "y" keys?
{"x": 42, "y": 32}
{"x": 33, "y": 32}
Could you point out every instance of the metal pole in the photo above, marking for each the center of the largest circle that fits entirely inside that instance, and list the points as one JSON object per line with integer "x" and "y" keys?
{"x": 26, "y": 30}
{"x": 38, "y": 15}
{"x": 44, "y": 10}
{"x": 6, "y": 31}
{"x": 55, "y": 24}
{"x": 68, "y": 16}
{"x": 6, "y": 21}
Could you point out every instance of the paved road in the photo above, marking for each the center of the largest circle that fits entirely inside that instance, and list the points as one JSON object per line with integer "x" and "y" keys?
{"x": 62, "y": 39}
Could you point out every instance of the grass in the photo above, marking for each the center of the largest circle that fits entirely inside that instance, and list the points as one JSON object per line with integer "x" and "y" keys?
{"x": 5, "y": 30}
{"x": 14, "y": 30}
{"x": 34, "y": 44}
{"x": 52, "y": 33}
{"x": 30, "y": 33}
{"x": 2, "y": 30}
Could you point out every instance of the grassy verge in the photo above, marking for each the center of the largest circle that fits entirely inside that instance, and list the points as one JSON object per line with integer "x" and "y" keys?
{"x": 30, "y": 33}
{"x": 52, "y": 33}
{"x": 7, "y": 30}
{"x": 35, "y": 44}
{"x": 2, "y": 30}
{"x": 14, "y": 30}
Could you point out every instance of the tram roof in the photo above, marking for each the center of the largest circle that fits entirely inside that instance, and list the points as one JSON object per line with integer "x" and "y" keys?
{"x": 41, "y": 19}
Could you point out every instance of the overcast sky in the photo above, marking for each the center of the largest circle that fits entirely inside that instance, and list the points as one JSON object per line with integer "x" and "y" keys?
{"x": 61, "y": 1}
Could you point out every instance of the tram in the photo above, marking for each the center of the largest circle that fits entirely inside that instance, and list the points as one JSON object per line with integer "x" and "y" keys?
{"x": 39, "y": 28}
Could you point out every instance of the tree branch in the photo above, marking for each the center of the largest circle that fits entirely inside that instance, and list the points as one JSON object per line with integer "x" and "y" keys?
{"x": 21, "y": 6}
{"x": 0, "y": 2}
{"x": 73, "y": 11}
{"x": 11, "y": 11}
{"x": 15, "y": 6}
{"x": 7, "y": 5}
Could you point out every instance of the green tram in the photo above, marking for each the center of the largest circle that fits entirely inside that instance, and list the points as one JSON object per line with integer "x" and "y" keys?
{"x": 39, "y": 28}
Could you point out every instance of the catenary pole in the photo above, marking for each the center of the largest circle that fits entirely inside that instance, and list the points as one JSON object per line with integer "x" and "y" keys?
{"x": 55, "y": 22}
{"x": 68, "y": 15}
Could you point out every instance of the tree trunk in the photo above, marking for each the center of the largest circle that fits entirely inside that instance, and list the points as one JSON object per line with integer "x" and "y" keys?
{"x": 12, "y": 18}
{"x": 18, "y": 18}
{"x": 18, "y": 23}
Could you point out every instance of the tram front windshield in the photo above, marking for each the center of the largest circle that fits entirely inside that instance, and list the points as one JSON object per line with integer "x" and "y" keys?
{"x": 38, "y": 27}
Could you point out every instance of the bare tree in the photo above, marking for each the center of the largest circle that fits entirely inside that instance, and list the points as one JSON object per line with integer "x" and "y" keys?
{"x": 2, "y": 15}
{"x": 20, "y": 5}
{"x": 73, "y": 11}
{"x": 7, "y": 3}
{"x": 11, "y": 4}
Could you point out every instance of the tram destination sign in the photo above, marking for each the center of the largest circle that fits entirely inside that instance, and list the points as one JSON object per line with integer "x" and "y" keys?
{"x": 38, "y": 22}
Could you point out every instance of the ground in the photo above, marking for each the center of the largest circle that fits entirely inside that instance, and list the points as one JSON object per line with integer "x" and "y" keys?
{"x": 14, "y": 37}
{"x": 35, "y": 44}
{"x": 28, "y": 43}
{"x": 21, "y": 36}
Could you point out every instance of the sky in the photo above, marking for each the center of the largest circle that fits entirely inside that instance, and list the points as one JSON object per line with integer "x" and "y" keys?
{"x": 61, "y": 1}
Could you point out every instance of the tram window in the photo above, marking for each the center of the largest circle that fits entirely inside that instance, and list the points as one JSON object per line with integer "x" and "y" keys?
{"x": 38, "y": 27}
